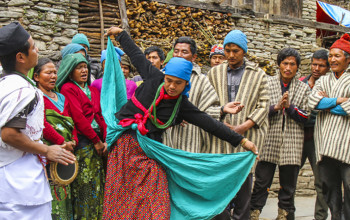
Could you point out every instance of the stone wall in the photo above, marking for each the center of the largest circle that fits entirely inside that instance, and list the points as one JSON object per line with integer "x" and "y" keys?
{"x": 309, "y": 10}
{"x": 305, "y": 186}
{"x": 266, "y": 39}
{"x": 51, "y": 23}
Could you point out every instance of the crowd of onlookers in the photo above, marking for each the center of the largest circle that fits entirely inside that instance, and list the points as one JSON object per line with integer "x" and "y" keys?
{"x": 289, "y": 118}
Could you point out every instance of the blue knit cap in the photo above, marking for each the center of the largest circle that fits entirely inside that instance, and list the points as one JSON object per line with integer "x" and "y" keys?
{"x": 81, "y": 39}
{"x": 118, "y": 51}
{"x": 237, "y": 37}
{"x": 181, "y": 68}
{"x": 71, "y": 49}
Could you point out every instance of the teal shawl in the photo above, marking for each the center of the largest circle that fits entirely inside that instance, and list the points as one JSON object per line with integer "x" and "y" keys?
{"x": 200, "y": 185}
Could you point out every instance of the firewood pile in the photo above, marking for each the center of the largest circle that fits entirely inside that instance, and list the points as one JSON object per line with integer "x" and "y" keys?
{"x": 154, "y": 23}
{"x": 266, "y": 65}
{"x": 90, "y": 25}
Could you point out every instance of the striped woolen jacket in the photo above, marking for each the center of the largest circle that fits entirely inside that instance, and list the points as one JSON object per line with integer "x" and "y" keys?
{"x": 283, "y": 146}
{"x": 204, "y": 97}
{"x": 332, "y": 132}
{"x": 253, "y": 94}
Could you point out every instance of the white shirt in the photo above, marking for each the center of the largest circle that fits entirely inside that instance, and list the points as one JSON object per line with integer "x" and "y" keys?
{"x": 22, "y": 176}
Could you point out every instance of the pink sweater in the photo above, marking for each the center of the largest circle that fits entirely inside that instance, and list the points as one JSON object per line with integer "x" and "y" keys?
{"x": 130, "y": 86}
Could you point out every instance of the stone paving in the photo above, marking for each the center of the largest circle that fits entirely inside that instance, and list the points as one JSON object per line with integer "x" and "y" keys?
{"x": 304, "y": 209}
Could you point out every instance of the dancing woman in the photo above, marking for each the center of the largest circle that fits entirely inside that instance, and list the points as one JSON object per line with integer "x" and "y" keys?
{"x": 136, "y": 185}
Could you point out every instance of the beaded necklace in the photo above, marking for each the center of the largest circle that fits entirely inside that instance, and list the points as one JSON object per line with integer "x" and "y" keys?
{"x": 155, "y": 102}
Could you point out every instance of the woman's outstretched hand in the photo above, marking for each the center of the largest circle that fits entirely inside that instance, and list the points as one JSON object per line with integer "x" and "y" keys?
{"x": 113, "y": 31}
{"x": 250, "y": 146}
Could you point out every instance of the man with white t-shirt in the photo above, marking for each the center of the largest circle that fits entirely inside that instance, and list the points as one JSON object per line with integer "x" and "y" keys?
{"x": 24, "y": 189}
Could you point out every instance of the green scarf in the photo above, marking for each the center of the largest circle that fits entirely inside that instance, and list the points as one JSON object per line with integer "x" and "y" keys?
{"x": 30, "y": 74}
{"x": 64, "y": 125}
{"x": 67, "y": 65}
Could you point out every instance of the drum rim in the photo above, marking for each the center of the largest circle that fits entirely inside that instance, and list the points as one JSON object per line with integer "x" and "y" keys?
{"x": 57, "y": 180}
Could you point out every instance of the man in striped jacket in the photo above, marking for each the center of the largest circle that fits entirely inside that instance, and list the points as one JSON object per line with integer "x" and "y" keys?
{"x": 188, "y": 137}
{"x": 244, "y": 82}
{"x": 202, "y": 94}
{"x": 319, "y": 67}
{"x": 331, "y": 95}
{"x": 284, "y": 141}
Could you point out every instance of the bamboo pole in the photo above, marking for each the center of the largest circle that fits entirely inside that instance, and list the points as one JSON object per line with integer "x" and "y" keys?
{"x": 102, "y": 26}
{"x": 123, "y": 16}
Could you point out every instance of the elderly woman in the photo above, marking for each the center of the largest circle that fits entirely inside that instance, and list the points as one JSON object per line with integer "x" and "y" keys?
{"x": 87, "y": 189}
{"x": 59, "y": 129}
{"x": 95, "y": 67}
{"x": 71, "y": 49}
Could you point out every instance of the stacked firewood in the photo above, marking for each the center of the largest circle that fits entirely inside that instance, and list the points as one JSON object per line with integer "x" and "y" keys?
{"x": 154, "y": 23}
{"x": 266, "y": 65}
{"x": 90, "y": 25}
{"x": 151, "y": 21}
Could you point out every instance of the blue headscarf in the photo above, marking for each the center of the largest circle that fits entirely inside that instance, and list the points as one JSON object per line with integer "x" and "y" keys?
{"x": 71, "y": 49}
{"x": 117, "y": 50}
{"x": 81, "y": 39}
{"x": 237, "y": 37}
{"x": 181, "y": 68}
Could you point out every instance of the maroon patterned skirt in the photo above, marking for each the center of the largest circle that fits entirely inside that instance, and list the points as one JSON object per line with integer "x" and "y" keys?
{"x": 136, "y": 186}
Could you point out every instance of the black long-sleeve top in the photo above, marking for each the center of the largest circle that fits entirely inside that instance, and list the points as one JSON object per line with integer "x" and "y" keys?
{"x": 146, "y": 92}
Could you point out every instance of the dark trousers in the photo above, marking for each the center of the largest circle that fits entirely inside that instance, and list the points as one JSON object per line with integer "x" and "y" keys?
{"x": 241, "y": 202}
{"x": 334, "y": 174}
{"x": 321, "y": 207}
{"x": 264, "y": 173}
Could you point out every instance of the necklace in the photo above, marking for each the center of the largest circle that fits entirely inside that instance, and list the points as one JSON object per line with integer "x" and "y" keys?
{"x": 54, "y": 95}
{"x": 153, "y": 106}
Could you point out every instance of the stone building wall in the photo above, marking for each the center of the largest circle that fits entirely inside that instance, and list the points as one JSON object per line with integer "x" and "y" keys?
{"x": 53, "y": 23}
{"x": 266, "y": 39}
{"x": 309, "y": 10}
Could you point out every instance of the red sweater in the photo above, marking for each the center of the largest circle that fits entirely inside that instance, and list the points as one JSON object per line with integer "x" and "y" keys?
{"x": 84, "y": 111}
{"x": 49, "y": 132}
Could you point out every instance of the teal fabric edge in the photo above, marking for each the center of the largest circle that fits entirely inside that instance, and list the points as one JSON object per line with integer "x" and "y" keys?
{"x": 113, "y": 94}
{"x": 201, "y": 185}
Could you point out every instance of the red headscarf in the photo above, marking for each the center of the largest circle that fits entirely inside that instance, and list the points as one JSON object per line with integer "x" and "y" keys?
{"x": 343, "y": 43}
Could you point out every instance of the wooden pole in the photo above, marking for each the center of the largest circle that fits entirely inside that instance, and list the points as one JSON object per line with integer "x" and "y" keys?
{"x": 123, "y": 16}
{"x": 102, "y": 26}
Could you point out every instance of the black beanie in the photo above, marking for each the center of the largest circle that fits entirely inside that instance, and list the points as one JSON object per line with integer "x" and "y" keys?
{"x": 12, "y": 38}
